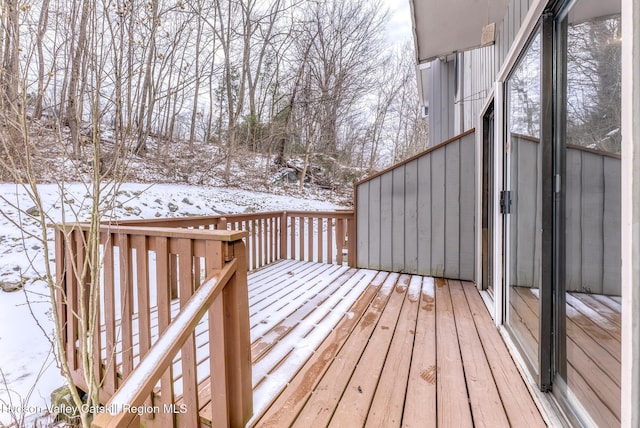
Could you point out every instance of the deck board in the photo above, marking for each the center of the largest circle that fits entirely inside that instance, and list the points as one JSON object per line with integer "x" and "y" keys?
{"x": 420, "y": 400}
{"x": 355, "y": 402}
{"x": 388, "y": 403}
{"x": 453, "y": 402}
{"x": 484, "y": 397}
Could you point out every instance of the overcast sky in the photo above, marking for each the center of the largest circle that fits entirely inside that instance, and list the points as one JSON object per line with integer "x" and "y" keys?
{"x": 399, "y": 26}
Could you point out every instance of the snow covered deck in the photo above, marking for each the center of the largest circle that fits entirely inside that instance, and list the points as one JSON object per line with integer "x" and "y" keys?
{"x": 337, "y": 345}
{"x": 412, "y": 351}
{"x": 293, "y": 306}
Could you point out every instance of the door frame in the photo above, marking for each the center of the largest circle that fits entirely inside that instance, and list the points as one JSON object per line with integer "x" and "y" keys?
{"x": 490, "y": 301}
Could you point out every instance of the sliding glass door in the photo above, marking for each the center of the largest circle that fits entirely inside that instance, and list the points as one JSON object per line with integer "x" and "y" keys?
{"x": 561, "y": 205}
{"x": 522, "y": 202}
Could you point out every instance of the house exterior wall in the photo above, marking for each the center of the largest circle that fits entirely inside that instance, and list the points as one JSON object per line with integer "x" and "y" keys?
{"x": 419, "y": 216}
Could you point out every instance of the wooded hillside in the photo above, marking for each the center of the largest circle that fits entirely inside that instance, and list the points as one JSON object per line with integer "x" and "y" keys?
{"x": 311, "y": 85}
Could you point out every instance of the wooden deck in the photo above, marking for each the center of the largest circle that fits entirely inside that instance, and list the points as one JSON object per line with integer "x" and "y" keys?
{"x": 593, "y": 347}
{"x": 412, "y": 351}
{"x": 337, "y": 346}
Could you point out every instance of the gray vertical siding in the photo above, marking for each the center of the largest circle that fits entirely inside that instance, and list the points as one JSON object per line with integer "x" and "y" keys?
{"x": 441, "y": 101}
{"x": 478, "y": 85}
{"x": 592, "y": 218}
{"x": 419, "y": 216}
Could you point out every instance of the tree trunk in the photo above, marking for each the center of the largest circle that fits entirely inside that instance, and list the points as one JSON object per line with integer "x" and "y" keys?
{"x": 73, "y": 112}
{"x": 42, "y": 28}
{"x": 145, "y": 112}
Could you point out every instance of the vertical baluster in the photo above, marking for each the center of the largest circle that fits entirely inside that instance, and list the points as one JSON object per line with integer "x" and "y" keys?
{"x": 173, "y": 275}
{"x": 274, "y": 240}
{"x": 330, "y": 240}
{"x": 320, "y": 238}
{"x": 301, "y": 238}
{"x": 61, "y": 285}
{"x": 110, "y": 380}
{"x": 283, "y": 229}
{"x": 163, "y": 293}
{"x": 265, "y": 241}
{"x": 260, "y": 261}
{"x": 310, "y": 238}
{"x": 196, "y": 272}
{"x": 139, "y": 242}
{"x": 188, "y": 351}
{"x": 97, "y": 333}
{"x": 126, "y": 303}
{"x": 291, "y": 230}
{"x": 247, "y": 241}
{"x": 144, "y": 305}
{"x": 254, "y": 245}
{"x": 72, "y": 301}
{"x": 339, "y": 239}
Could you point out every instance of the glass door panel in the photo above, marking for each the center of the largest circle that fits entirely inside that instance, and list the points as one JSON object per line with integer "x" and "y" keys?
{"x": 588, "y": 367}
{"x": 523, "y": 202}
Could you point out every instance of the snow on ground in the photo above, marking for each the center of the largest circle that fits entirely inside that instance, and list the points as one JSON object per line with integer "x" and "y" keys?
{"x": 28, "y": 372}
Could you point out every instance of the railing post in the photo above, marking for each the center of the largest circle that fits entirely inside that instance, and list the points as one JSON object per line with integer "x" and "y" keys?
{"x": 284, "y": 228}
{"x": 238, "y": 341}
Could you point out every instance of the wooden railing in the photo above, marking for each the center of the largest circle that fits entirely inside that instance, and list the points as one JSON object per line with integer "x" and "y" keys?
{"x": 158, "y": 279}
{"x": 144, "y": 269}
{"x": 321, "y": 237}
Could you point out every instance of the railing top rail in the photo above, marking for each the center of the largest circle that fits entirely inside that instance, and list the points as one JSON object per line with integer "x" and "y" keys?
{"x": 414, "y": 157}
{"x": 229, "y": 217}
{"x": 334, "y": 214}
{"x": 144, "y": 377}
{"x": 167, "y": 232}
{"x": 342, "y": 213}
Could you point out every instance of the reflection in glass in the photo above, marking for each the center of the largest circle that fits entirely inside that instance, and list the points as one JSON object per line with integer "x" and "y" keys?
{"x": 591, "y": 369}
{"x": 593, "y": 83}
{"x": 523, "y": 163}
